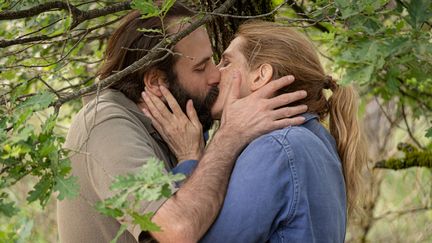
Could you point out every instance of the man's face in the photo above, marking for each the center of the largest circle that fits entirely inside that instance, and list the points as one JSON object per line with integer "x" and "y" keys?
{"x": 197, "y": 75}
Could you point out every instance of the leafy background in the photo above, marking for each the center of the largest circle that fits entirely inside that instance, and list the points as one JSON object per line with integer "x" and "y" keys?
{"x": 383, "y": 46}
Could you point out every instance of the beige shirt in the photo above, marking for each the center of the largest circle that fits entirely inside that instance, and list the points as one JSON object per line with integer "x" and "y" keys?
{"x": 110, "y": 136}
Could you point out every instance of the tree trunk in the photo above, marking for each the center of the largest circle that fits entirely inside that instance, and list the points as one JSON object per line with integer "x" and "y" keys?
{"x": 222, "y": 28}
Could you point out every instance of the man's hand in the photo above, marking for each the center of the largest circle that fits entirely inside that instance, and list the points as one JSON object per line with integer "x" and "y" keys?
{"x": 260, "y": 112}
{"x": 183, "y": 133}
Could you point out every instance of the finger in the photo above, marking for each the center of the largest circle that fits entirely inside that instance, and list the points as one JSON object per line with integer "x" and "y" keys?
{"x": 159, "y": 105}
{"x": 282, "y": 123}
{"x": 288, "y": 112}
{"x": 172, "y": 102}
{"x": 158, "y": 127}
{"x": 269, "y": 89}
{"x": 146, "y": 112}
{"x": 153, "y": 110}
{"x": 192, "y": 114}
{"x": 154, "y": 121}
{"x": 234, "y": 88}
{"x": 287, "y": 98}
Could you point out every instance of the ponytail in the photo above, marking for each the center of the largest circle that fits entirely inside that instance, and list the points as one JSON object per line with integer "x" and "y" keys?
{"x": 351, "y": 145}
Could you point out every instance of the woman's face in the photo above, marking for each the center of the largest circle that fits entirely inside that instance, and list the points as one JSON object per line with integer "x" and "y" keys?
{"x": 232, "y": 61}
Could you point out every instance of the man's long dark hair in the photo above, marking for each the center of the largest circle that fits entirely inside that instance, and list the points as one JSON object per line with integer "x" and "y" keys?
{"x": 128, "y": 44}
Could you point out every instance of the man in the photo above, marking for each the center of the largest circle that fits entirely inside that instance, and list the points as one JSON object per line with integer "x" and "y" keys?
{"x": 111, "y": 136}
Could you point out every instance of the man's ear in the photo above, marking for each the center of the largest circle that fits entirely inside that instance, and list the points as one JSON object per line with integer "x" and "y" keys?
{"x": 153, "y": 78}
{"x": 262, "y": 76}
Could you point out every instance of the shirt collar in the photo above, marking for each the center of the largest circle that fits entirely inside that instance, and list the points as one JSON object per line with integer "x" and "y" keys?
{"x": 309, "y": 116}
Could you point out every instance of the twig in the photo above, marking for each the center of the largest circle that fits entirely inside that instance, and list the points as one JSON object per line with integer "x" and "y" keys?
{"x": 45, "y": 7}
{"x": 404, "y": 116}
{"x": 246, "y": 17}
{"x": 78, "y": 18}
{"x": 301, "y": 13}
{"x": 402, "y": 212}
{"x": 49, "y": 86}
{"x": 148, "y": 59}
{"x": 49, "y": 64}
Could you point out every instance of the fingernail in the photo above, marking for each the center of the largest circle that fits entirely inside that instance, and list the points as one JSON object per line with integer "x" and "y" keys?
{"x": 303, "y": 93}
{"x": 290, "y": 78}
{"x": 143, "y": 94}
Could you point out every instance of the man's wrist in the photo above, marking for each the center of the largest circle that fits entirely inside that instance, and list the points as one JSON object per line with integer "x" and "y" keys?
{"x": 227, "y": 138}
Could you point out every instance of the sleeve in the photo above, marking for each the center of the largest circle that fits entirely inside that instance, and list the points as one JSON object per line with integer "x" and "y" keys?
{"x": 186, "y": 167}
{"x": 258, "y": 197}
{"x": 118, "y": 146}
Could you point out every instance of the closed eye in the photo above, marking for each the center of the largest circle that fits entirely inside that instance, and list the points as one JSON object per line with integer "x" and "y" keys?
{"x": 200, "y": 68}
{"x": 225, "y": 63}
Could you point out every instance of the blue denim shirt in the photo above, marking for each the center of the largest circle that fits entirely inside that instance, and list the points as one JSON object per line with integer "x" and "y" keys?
{"x": 286, "y": 186}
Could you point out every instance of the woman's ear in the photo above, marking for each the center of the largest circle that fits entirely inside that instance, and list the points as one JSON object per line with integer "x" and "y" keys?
{"x": 153, "y": 79}
{"x": 262, "y": 76}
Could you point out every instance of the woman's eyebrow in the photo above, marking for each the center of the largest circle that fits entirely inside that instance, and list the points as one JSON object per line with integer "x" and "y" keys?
{"x": 226, "y": 55}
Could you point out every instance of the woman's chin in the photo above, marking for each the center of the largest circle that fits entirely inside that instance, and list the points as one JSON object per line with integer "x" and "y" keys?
{"x": 216, "y": 112}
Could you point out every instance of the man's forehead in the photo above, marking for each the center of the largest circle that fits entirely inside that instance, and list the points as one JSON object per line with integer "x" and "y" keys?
{"x": 195, "y": 47}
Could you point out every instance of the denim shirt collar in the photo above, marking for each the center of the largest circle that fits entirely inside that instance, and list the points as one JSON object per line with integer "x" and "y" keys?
{"x": 309, "y": 116}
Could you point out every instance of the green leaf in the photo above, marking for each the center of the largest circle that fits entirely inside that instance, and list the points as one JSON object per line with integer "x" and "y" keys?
{"x": 146, "y": 7}
{"x": 429, "y": 133}
{"x": 38, "y": 101}
{"x": 419, "y": 12}
{"x": 166, "y": 5}
{"x": 108, "y": 211}
{"x": 122, "y": 229}
{"x": 41, "y": 191}
{"x": 150, "y": 30}
{"x": 67, "y": 187}
{"x": 49, "y": 124}
{"x": 8, "y": 209}
{"x": 144, "y": 221}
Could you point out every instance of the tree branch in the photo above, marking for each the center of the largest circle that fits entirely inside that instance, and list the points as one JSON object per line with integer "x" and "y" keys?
{"x": 413, "y": 158}
{"x": 410, "y": 133}
{"x": 147, "y": 60}
{"x": 403, "y": 212}
{"x": 78, "y": 18}
{"x": 45, "y": 7}
{"x": 301, "y": 13}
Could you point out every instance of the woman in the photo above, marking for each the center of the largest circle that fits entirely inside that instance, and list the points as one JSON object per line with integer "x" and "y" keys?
{"x": 294, "y": 184}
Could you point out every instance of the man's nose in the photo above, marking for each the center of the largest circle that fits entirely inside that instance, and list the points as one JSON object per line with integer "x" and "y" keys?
{"x": 215, "y": 76}
{"x": 219, "y": 65}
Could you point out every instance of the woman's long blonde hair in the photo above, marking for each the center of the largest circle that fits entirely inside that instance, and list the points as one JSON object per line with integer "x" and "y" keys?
{"x": 290, "y": 52}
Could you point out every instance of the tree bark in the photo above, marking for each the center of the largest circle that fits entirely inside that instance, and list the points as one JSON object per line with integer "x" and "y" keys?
{"x": 222, "y": 29}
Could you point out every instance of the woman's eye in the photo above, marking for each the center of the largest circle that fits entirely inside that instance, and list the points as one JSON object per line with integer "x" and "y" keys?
{"x": 225, "y": 63}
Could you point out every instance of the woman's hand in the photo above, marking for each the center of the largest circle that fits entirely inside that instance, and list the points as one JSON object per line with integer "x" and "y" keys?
{"x": 182, "y": 133}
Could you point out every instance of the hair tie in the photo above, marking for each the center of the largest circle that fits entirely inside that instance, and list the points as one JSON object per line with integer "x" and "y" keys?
{"x": 330, "y": 83}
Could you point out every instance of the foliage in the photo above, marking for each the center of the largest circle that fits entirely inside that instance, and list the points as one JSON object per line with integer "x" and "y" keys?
{"x": 28, "y": 150}
{"x": 149, "y": 9}
{"x": 150, "y": 183}
{"x": 385, "y": 48}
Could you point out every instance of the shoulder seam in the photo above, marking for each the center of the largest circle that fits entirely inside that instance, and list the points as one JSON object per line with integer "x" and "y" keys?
{"x": 292, "y": 209}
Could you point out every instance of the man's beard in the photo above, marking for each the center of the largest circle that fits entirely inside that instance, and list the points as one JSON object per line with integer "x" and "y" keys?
{"x": 202, "y": 106}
